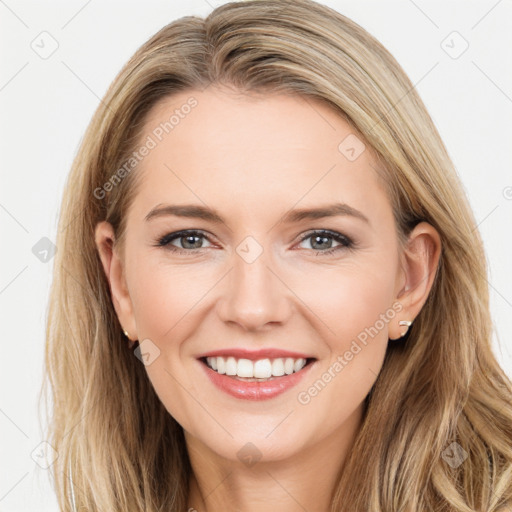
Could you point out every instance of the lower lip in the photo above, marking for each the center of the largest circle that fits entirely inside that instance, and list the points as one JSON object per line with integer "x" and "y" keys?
{"x": 263, "y": 390}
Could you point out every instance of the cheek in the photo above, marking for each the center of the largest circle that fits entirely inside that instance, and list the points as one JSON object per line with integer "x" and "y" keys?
{"x": 363, "y": 300}
{"x": 353, "y": 308}
{"x": 169, "y": 303}
{"x": 348, "y": 299}
{"x": 165, "y": 297}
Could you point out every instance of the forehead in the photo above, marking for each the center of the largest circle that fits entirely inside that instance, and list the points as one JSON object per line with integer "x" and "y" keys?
{"x": 253, "y": 150}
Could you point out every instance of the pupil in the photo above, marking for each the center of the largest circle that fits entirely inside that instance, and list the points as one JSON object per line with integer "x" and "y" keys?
{"x": 322, "y": 238}
{"x": 190, "y": 238}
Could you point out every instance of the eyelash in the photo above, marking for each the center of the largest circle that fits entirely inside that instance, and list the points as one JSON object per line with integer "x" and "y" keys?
{"x": 345, "y": 241}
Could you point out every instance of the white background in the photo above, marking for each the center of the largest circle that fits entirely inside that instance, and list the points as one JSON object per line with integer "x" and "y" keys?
{"x": 46, "y": 104}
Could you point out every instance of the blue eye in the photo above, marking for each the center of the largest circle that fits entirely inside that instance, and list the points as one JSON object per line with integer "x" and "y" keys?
{"x": 322, "y": 239}
{"x": 191, "y": 241}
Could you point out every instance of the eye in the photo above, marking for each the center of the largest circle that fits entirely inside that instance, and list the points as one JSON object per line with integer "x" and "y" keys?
{"x": 189, "y": 241}
{"x": 322, "y": 241}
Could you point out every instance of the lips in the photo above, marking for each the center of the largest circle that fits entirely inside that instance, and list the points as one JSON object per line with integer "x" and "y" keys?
{"x": 254, "y": 355}
{"x": 255, "y": 375}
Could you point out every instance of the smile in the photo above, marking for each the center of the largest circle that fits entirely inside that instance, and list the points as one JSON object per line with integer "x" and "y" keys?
{"x": 261, "y": 369}
{"x": 257, "y": 377}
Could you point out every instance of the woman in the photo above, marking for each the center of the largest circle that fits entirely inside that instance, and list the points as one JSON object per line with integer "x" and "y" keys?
{"x": 269, "y": 291}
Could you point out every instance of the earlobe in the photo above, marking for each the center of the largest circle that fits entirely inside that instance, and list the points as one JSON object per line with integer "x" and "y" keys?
{"x": 114, "y": 272}
{"x": 420, "y": 260}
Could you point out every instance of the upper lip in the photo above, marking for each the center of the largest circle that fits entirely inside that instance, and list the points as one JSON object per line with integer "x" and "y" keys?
{"x": 254, "y": 355}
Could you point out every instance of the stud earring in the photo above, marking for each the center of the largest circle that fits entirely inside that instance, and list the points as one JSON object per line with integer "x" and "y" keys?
{"x": 125, "y": 333}
{"x": 406, "y": 324}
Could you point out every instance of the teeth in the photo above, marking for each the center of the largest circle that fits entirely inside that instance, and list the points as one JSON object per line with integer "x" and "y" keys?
{"x": 245, "y": 368}
{"x": 221, "y": 365}
{"x": 231, "y": 366}
{"x": 260, "y": 369}
{"x": 263, "y": 369}
{"x": 277, "y": 367}
{"x": 298, "y": 364}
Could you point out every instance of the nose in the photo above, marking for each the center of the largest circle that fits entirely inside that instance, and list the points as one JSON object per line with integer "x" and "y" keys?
{"x": 254, "y": 296}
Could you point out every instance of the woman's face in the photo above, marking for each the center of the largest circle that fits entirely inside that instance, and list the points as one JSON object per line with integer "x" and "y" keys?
{"x": 258, "y": 280}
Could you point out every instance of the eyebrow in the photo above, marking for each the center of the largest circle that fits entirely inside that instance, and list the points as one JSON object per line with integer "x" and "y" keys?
{"x": 297, "y": 215}
{"x": 209, "y": 214}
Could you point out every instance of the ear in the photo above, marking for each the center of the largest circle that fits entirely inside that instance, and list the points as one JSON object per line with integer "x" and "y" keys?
{"x": 115, "y": 273}
{"x": 419, "y": 264}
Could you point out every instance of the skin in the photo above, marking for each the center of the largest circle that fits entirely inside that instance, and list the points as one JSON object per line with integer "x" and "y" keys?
{"x": 254, "y": 159}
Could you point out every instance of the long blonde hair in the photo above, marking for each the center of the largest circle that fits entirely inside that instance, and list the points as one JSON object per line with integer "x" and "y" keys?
{"x": 118, "y": 448}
